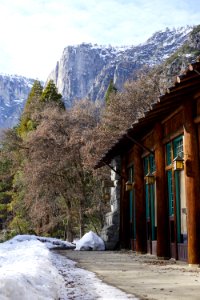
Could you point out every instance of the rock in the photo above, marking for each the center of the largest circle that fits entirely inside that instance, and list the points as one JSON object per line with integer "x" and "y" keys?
{"x": 14, "y": 92}
{"x": 85, "y": 70}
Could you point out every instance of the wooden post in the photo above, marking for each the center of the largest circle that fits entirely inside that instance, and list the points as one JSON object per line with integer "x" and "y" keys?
{"x": 192, "y": 184}
{"x": 161, "y": 187}
{"x": 141, "y": 235}
{"x": 124, "y": 217}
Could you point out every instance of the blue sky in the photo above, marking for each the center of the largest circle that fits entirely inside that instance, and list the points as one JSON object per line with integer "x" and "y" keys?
{"x": 33, "y": 33}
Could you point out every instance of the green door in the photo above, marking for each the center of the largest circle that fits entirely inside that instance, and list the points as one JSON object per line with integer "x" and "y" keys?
{"x": 150, "y": 211}
{"x": 132, "y": 214}
{"x": 178, "y": 151}
{"x": 149, "y": 167}
{"x": 174, "y": 149}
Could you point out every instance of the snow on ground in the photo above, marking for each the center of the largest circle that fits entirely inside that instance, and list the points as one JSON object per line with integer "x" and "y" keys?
{"x": 84, "y": 285}
{"x": 90, "y": 241}
{"x": 27, "y": 271}
{"x": 30, "y": 271}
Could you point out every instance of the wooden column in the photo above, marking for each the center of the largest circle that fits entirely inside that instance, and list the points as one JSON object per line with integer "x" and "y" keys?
{"x": 192, "y": 185}
{"x": 161, "y": 188}
{"x": 124, "y": 210}
{"x": 141, "y": 238}
{"x": 197, "y": 119}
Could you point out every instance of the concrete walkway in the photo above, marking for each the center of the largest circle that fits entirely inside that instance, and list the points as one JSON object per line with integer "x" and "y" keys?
{"x": 143, "y": 276}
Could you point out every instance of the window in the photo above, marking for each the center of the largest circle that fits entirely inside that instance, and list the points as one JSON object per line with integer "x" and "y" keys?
{"x": 168, "y": 154}
{"x": 150, "y": 167}
{"x": 149, "y": 164}
{"x": 152, "y": 164}
{"x": 170, "y": 193}
{"x": 131, "y": 174}
{"x": 178, "y": 147}
{"x": 173, "y": 149}
{"x": 146, "y": 166}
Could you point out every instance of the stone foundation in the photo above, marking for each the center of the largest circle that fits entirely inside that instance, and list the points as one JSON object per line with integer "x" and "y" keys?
{"x": 110, "y": 231}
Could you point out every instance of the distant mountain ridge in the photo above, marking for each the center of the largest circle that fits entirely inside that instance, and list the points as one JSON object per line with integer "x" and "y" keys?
{"x": 14, "y": 90}
{"x": 85, "y": 70}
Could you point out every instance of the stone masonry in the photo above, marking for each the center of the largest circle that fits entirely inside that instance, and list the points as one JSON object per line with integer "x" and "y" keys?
{"x": 110, "y": 231}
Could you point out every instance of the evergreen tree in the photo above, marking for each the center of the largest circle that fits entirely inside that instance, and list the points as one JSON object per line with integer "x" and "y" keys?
{"x": 5, "y": 188}
{"x": 36, "y": 103}
{"x": 33, "y": 105}
{"x": 10, "y": 161}
{"x": 111, "y": 89}
{"x": 50, "y": 94}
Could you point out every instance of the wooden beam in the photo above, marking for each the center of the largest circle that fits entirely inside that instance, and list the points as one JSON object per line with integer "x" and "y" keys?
{"x": 162, "y": 204}
{"x": 197, "y": 120}
{"x": 192, "y": 183}
{"x": 141, "y": 235}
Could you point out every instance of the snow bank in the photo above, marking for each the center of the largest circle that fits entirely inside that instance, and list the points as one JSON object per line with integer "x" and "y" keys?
{"x": 27, "y": 271}
{"x": 90, "y": 241}
{"x": 50, "y": 243}
{"x": 30, "y": 271}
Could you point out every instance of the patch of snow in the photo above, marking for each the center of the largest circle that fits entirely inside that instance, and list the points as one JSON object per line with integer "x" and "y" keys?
{"x": 51, "y": 243}
{"x": 90, "y": 241}
{"x": 18, "y": 101}
{"x": 84, "y": 285}
{"x": 29, "y": 270}
{"x": 188, "y": 55}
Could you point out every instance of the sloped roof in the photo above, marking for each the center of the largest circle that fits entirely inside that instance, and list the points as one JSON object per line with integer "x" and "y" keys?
{"x": 185, "y": 84}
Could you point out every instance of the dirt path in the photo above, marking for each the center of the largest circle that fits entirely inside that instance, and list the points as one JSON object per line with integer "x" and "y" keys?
{"x": 141, "y": 275}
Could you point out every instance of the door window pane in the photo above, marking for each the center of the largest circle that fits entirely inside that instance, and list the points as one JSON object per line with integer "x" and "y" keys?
{"x": 170, "y": 193}
{"x": 168, "y": 154}
{"x": 178, "y": 147}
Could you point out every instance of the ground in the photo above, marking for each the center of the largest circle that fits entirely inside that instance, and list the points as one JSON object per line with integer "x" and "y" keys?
{"x": 31, "y": 270}
{"x": 143, "y": 276}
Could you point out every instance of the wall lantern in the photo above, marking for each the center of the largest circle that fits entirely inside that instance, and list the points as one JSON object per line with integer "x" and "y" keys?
{"x": 106, "y": 193}
{"x": 106, "y": 196}
{"x": 129, "y": 186}
{"x": 150, "y": 178}
{"x": 178, "y": 163}
{"x": 108, "y": 183}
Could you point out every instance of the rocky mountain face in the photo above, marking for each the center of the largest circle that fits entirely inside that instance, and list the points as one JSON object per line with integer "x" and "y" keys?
{"x": 86, "y": 70}
{"x": 14, "y": 91}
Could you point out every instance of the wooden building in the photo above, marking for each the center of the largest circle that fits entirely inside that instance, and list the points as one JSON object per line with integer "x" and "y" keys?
{"x": 160, "y": 164}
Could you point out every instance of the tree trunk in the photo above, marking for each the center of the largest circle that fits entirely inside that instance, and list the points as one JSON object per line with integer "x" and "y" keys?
{"x": 69, "y": 229}
{"x": 81, "y": 218}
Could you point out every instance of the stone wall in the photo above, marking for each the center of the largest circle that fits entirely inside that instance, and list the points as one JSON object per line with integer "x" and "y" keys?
{"x": 110, "y": 231}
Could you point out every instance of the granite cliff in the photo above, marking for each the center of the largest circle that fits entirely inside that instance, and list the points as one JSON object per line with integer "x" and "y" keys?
{"x": 85, "y": 70}
{"x": 14, "y": 91}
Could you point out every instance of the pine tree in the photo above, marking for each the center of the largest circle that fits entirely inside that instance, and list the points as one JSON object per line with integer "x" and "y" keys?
{"x": 111, "y": 89}
{"x": 33, "y": 104}
{"x": 50, "y": 94}
{"x": 36, "y": 102}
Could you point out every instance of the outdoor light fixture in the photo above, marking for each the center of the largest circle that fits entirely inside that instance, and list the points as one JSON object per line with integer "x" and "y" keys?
{"x": 106, "y": 193}
{"x": 106, "y": 196}
{"x": 178, "y": 163}
{"x": 108, "y": 183}
{"x": 150, "y": 178}
{"x": 129, "y": 186}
